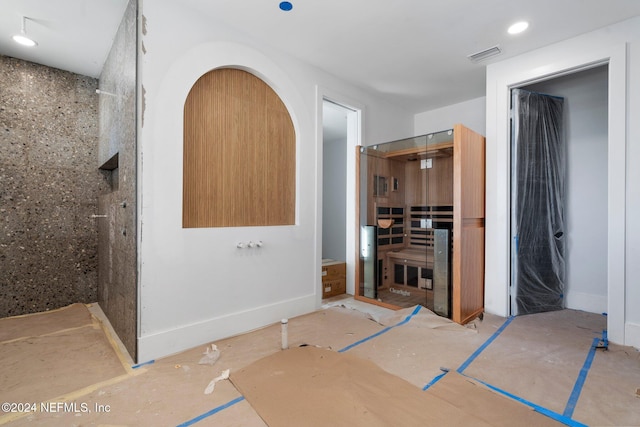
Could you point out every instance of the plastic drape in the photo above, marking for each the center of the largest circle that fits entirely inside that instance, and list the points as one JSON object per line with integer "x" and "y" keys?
{"x": 538, "y": 193}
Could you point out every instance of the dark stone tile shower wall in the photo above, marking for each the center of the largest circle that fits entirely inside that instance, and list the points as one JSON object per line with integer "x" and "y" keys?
{"x": 49, "y": 187}
{"x": 117, "y": 236}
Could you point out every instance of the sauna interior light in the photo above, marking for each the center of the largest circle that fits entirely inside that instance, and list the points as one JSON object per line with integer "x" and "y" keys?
{"x": 518, "y": 27}
{"x": 22, "y": 37}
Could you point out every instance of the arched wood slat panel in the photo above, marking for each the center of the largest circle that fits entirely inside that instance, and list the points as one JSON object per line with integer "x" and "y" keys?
{"x": 239, "y": 153}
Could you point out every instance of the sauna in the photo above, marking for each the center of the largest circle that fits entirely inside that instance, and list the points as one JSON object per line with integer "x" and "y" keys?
{"x": 421, "y": 223}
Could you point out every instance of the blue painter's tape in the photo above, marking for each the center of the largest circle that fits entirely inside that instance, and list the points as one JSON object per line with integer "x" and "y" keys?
{"x": 241, "y": 398}
{"x": 549, "y": 413}
{"x": 577, "y": 388}
{"x": 211, "y": 412}
{"x": 150, "y": 362}
{"x": 357, "y": 343}
{"x": 476, "y": 353}
{"x": 377, "y": 334}
{"x": 544, "y": 411}
{"x": 433, "y": 381}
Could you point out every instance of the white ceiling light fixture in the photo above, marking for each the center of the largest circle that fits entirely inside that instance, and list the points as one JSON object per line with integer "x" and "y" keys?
{"x": 22, "y": 37}
{"x": 518, "y": 27}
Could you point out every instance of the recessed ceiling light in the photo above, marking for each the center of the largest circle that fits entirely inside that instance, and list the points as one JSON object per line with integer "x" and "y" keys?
{"x": 518, "y": 27}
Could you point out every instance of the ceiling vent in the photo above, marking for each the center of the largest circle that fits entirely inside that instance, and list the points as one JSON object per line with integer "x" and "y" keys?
{"x": 485, "y": 54}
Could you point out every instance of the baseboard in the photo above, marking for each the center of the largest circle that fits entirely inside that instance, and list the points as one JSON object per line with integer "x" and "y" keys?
{"x": 586, "y": 302}
{"x": 632, "y": 334}
{"x": 155, "y": 346}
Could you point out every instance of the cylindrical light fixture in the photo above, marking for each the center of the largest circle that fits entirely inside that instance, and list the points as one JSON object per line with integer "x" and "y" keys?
{"x": 22, "y": 37}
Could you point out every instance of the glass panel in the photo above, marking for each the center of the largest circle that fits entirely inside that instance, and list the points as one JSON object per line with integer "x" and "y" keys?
{"x": 406, "y": 192}
{"x": 419, "y": 142}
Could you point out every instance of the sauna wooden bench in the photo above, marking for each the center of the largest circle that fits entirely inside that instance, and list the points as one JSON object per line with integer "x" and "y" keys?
{"x": 419, "y": 258}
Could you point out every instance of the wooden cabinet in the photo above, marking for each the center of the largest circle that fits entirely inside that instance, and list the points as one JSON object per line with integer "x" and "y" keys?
{"x": 419, "y": 185}
{"x": 468, "y": 224}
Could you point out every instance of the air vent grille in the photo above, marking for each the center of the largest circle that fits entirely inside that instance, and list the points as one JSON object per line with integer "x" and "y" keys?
{"x": 485, "y": 54}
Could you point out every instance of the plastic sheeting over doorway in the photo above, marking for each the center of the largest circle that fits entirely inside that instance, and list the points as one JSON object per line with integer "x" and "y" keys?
{"x": 538, "y": 169}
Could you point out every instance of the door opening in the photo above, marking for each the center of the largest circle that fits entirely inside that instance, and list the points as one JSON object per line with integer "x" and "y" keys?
{"x": 340, "y": 134}
{"x": 583, "y": 238}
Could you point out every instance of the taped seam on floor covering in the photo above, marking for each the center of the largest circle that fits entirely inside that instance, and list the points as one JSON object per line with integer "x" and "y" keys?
{"x": 434, "y": 380}
{"x": 212, "y": 412}
{"x": 577, "y": 388}
{"x": 50, "y": 334}
{"x": 387, "y": 329}
{"x": 349, "y": 347}
{"x": 112, "y": 341}
{"x": 75, "y": 395}
{"x": 130, "y": 371}
{"x": 474, "y": 355}
{"x": 150, "y": 362}
{"x": 549, "y": 413}
{"x": 564, "y": 419}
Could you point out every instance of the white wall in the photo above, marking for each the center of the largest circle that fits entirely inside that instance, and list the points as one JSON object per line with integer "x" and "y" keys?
{"x": 585, "y": 119}
{"x": 471, "y": 114}
{"x": 195, "y": 285}
{"x": 619, "y": 45}
{"x": 632, "y": 247}
{"x": 334, "y": 208}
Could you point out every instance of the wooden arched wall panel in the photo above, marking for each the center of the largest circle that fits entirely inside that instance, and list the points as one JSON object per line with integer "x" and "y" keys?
{"x": 239, "y": 153}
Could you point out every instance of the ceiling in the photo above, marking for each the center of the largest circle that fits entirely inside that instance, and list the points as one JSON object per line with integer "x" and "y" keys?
{"x": 73, "y": 35}
{"x": 413, "y": 52}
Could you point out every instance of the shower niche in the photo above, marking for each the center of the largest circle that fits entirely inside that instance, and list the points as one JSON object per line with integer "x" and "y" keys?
{"x": 421, "y": 223}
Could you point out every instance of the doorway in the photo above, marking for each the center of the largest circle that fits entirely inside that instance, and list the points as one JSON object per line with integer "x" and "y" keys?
{"x": 340, "y": 135}
{"x": 583, "y": 265}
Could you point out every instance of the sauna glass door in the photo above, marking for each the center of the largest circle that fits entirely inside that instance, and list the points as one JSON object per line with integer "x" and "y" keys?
{"x": 405, "y": 194}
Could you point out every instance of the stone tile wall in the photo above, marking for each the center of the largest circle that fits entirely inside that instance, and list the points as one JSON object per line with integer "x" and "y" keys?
{"x": 117, "y": 272}
{"x": 49, "y": 187}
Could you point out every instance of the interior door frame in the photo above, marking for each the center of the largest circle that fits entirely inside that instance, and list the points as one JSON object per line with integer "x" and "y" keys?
{"x": 530, "y": 69}
{"x": 355, "y": 136}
